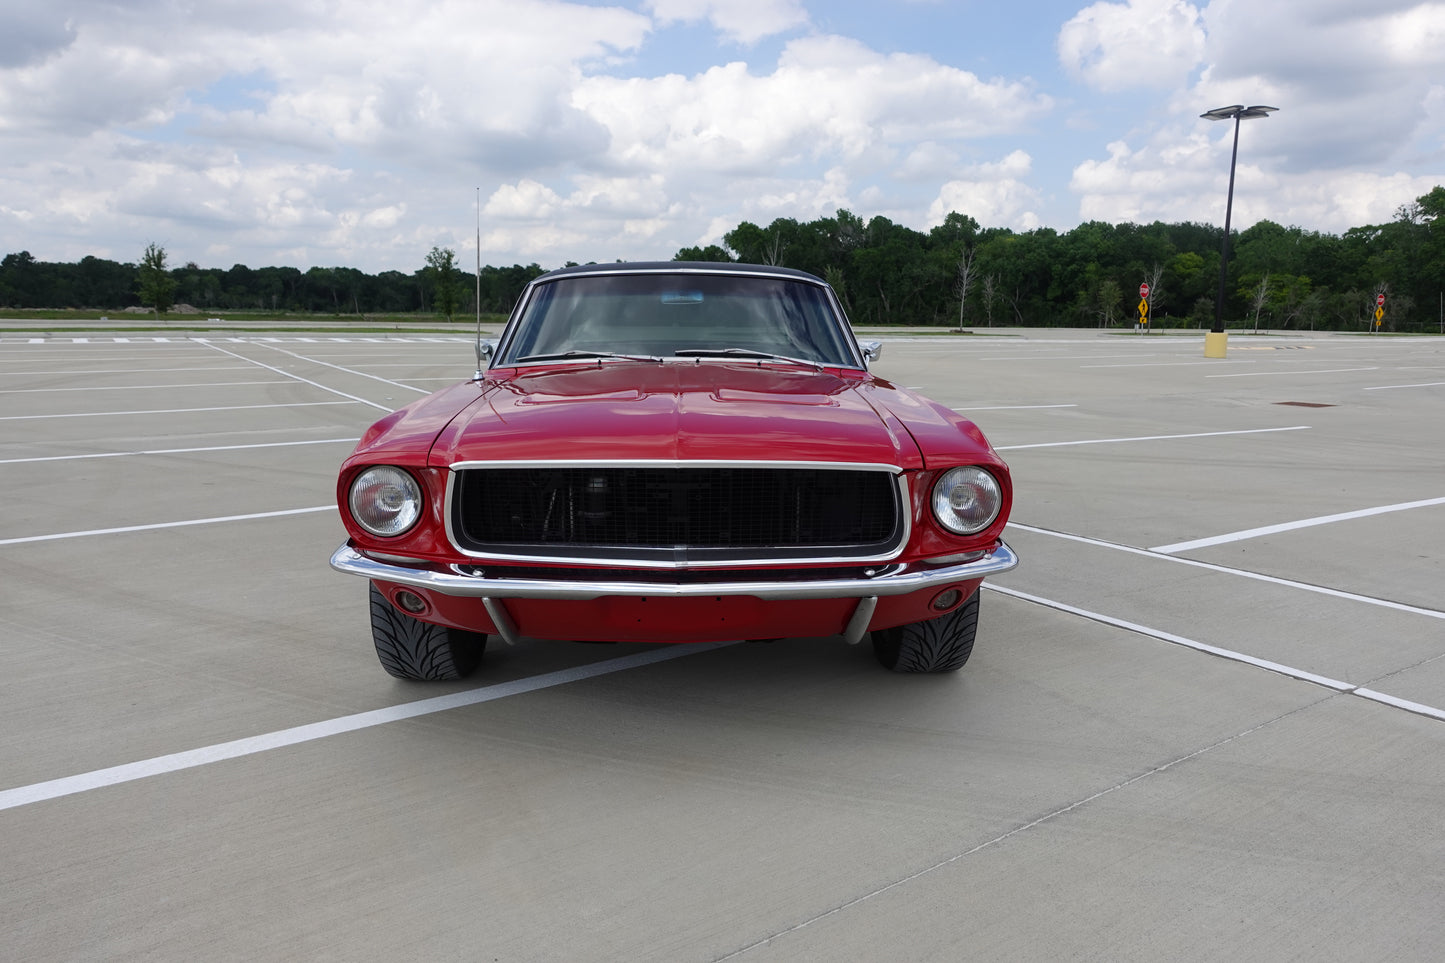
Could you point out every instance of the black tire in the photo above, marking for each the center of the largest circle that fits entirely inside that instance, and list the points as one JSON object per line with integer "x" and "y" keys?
{"x": 412, "y": 649}
{"x": 935, "y": 645}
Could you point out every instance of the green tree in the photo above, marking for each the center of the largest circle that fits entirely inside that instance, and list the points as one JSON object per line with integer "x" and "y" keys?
{"x": 712, "y": 252}
{"x": 441, "y": 274}
{"x": 157, "y": 286}
{"x": 1108, "y": 296}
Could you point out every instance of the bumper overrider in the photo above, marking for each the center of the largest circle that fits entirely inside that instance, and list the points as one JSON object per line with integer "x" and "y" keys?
{"x": 883, "y": 581}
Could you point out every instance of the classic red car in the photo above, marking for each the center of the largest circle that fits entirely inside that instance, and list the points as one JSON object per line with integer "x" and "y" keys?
{"x": 673, "y": 452}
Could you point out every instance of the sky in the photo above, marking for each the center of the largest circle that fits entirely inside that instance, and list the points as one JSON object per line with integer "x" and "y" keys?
{"x": 362, "y": 133}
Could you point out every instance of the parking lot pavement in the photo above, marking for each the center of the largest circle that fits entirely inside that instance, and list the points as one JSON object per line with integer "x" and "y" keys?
{"x": 1205, "y": 718}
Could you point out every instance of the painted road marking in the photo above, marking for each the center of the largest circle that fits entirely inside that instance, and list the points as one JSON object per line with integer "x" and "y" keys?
{"x": 988, "y": 408}
{"x": 204, "y": 384}
{"x": 172, "y": 411}
{"x": 159, "y": 525}
{"x": 287, "y": 374}
{"x": 353, "y": 371}
{"x": 1164, "y": 364}
{"x": 1242, "y": 573}
{"x": 1266, "y": 374}
{"x": 1291, "y": 526}
{"x": 178, "y": 451}
{"x": 1428, "y": 384}
{"x": 115, "y": 775}
{"x": 67, "y": 371}
{"x": 1345, "y": 688}
{"x": 1110, "y": 441}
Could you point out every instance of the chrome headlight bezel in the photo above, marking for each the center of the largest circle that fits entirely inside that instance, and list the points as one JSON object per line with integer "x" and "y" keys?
{"x": 966, "y": 500}
{"x": 385, "y": 501}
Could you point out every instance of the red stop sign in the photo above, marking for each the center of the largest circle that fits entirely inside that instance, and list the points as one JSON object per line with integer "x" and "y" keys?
{"x": 1380, "y": 300}
{"x": 1143, "y": 290}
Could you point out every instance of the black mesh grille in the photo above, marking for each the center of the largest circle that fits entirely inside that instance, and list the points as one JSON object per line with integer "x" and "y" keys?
{"x": 676, "y": 514}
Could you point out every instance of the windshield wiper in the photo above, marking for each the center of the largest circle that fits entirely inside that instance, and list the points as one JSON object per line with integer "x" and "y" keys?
{"x": 565, "y": 355}
{"x": 742, "y": 353}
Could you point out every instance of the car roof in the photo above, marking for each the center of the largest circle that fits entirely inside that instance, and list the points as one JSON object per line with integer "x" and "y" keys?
{"x": 679, "y": 267}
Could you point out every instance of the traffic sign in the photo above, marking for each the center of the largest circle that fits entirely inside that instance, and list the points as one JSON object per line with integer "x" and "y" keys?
{"x": 1380, "y": 300}
{"x": 1379, "y": 315}
{"x": 1144, "y": 290}
{"x": 1143, "y": 309}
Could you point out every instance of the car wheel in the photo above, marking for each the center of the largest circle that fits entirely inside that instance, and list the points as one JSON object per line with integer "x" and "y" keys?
{"x": 935, "y": 645}
{"x": 412, "y": 649}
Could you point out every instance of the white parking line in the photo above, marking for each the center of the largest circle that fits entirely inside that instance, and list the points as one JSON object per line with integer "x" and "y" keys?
{"x": 1291, "y": 526}
{"x": 155, "y": 526}
{"x": 1167, "y": 364}
{"x": 178, "y": 451}
{"x": 169, "y": 411}
{"x": 1111, "y": 441}
{"x": 1347, "y": 688}
{"x": 1267, "y": 374}
{"x": 1428, "y": 384}
{"x": 353, "y": 371}
{"x": 64, "y": 357}
{"x": 115, "y": 775}
{"x": 204, "y": 384}
{"x": 68, "y": 371}
{"x": 296, "y": 377}
{"x": 987, "y": 408}
{"x": 1242, "y": 573}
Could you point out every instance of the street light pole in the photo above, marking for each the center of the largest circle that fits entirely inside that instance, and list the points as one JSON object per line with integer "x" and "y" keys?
{"x": 1216, "y": 342}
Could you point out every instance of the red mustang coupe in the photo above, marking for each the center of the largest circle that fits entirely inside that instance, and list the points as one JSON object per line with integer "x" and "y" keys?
{"x": 673, "y": 452}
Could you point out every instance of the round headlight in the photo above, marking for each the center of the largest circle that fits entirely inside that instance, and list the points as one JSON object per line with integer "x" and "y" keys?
{"x": 966, "y": 500}
{"x": 385, "y": 501}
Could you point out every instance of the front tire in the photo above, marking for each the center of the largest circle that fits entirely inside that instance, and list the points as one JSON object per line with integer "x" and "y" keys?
{"x": 934, "y": 645}
{"x": 409, "y": 648}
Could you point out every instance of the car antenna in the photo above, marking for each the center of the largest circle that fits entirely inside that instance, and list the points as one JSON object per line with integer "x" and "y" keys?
{"x": 477, "y": 341}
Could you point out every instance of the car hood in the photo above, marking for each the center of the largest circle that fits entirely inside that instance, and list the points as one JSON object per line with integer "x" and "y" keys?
{"x": 708, "y": 410}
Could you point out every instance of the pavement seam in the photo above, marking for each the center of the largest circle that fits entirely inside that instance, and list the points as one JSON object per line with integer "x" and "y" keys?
{"x": 1034, "y": 823}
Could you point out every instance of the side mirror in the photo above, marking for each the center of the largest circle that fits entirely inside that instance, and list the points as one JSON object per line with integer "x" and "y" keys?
{"x": 872, "y": 350}
{"x": 486, "y": 347}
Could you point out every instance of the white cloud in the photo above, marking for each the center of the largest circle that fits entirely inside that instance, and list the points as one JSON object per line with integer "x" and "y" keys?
{"x": 1138, "y": 43}
{"x": 1361, "y": 120}
{"x": 360, "y": 131}
{"x": 525, "y": 200}
{"x": 743, "y": 21}
{"x": 828, "y": 97}
{"x": 1187, "y": 180}
{"x": 995, "y": 195}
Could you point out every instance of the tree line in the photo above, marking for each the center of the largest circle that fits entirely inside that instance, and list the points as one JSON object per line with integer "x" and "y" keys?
{"x": 960, "y": 273}
{"x": 439, "y": 287}
{"x": 956, "y": 274}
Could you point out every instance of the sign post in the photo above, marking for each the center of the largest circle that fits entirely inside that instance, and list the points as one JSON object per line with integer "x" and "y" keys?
{"x": 1144, "y": 306}
{"x": 1379, "y": 311}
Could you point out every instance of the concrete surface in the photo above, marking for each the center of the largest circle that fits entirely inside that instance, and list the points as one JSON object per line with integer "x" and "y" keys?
{"x": 1225, "y": 752}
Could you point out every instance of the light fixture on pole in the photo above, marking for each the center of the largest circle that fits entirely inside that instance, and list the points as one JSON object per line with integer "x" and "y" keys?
{"x": 1216, "y": 342}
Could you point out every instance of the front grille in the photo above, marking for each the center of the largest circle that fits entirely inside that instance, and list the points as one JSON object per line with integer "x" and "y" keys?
{"x": 677, "y": 515}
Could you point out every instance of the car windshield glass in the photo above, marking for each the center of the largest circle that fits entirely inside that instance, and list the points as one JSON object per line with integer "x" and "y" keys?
{"x": 664, "y": 314}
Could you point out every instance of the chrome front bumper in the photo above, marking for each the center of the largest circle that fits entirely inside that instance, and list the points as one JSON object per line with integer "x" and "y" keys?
{"x": 459, "y": 581}
{"x": 462, "y": 581}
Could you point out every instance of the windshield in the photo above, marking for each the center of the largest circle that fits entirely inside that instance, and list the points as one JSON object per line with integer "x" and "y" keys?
{"x": 662, "y": 315}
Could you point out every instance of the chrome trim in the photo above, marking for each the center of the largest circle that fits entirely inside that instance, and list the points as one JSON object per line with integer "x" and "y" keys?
{"x": 858, "y": 625}
{"x": 840, "y": 317}
{"x": 450, "y": 580}
{"x": 904, "y": 506}
{"x": 502, "y": 619}
{"x": 678, "y": 463}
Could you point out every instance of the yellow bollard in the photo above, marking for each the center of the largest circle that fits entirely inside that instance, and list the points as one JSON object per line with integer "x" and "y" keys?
{"x": 1215, "y": 343}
